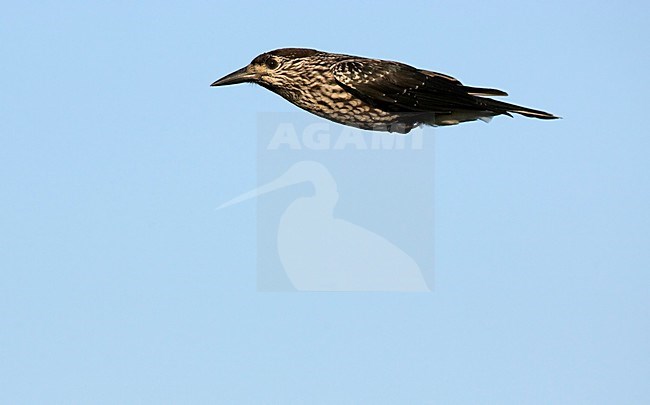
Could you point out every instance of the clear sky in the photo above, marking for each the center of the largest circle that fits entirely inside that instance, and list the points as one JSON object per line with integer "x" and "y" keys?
{"x": 121, "y": 283}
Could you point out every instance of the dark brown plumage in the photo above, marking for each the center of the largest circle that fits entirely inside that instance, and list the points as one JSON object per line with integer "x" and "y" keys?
{"x": 371, "y": 93}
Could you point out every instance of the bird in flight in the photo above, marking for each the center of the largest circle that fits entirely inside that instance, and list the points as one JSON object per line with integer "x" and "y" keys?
{"x": 372, "y": 94}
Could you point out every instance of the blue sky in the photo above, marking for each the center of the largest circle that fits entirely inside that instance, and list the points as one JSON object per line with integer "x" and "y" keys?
{"x": 120, "y": 282}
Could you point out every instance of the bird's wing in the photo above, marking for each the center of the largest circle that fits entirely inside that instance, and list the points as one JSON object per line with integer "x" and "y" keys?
{"x": 441, "y": 76}
{"x": 399, "y": 87}
{"x": 474, "y": 91}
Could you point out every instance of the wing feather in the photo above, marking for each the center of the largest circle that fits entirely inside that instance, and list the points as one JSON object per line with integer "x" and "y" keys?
{"x": 399, "y": 87}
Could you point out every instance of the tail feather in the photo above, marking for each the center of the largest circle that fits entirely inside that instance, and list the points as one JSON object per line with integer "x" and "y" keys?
{"x": 481, "y": 91}
{"x": 504, "y": 108}
{"x": 529, "y": 112}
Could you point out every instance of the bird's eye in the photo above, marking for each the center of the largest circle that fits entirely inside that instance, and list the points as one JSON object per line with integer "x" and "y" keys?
{"x": 271, "y": 63}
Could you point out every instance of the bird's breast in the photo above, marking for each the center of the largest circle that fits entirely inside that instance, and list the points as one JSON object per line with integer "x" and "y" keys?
{"x": 330, "y": 100}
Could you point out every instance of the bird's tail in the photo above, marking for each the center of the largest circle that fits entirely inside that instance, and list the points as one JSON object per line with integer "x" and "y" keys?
{"x": 507, "y": 108}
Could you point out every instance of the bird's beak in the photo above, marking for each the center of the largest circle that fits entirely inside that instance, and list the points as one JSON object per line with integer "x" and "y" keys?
{"x": 276, "y": 184}
{"x": 294, "y": 175}
{"x": 239, "y": 76}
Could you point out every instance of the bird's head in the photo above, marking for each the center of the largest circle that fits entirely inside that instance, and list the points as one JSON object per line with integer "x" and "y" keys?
{"x": 276, "y": 70}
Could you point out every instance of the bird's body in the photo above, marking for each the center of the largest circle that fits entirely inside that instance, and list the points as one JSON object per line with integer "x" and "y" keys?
{"x": 371, "y": 93}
